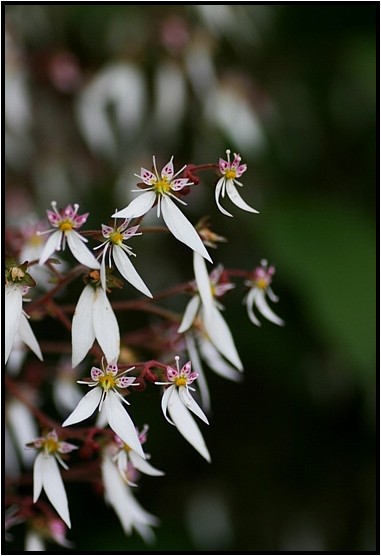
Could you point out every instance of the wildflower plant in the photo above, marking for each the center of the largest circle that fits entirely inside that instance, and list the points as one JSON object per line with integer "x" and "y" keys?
{"x": 110, "y": 367}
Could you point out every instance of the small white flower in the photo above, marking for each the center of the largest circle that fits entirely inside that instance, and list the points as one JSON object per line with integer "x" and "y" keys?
{"x": 227, "y": 183}
{"x": 119, "y": 495}
{"x": 67, "y": 221}
{"x": 46, "y": 473}
{"x": 16, "y": 321}
{"x": 161, "y": 188}
{"x": 120, "y": 253}
{"x": 94, "y": 319}
{"x": 260, "y": 287}
{"x": 178, "y": 402}
{"x": 104, "y": 383}
{"x": 129, "y": 461}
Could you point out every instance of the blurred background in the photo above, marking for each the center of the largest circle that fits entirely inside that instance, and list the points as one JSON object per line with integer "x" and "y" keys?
{"x": 91, "y": 93}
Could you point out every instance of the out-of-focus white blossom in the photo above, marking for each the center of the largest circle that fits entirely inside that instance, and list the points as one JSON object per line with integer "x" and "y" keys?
{"x": 160, "y": 189}
{"x": 259, "y": 286}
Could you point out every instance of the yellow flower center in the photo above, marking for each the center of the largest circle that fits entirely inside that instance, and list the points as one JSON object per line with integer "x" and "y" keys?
{"x": 66, "y": 226}
{"x": 181, "y": 381}
{"x": 162, "y": 186}
{"x": 262, "y": 283}
{"x": 16, "y": 273}
{"x": 50, "y": 445}
{"x": 107, "y": 382}
{"x": 230, "y": 174}
{"x": 116, "y": 237}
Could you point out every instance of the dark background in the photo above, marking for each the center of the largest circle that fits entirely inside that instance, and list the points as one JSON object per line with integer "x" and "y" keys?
{"x": 294, "y": 447}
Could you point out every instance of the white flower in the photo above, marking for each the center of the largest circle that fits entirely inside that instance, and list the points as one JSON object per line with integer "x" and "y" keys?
{"x": 161, "y": 189}
{"x": 226, "y": 184}
{"x": 16, "y": 321}
{"x": 260, "y": 286}
{"x": 67, "y": 221}
{"x": 120, "y": 253}
{"x": 129, "y": 461}
{"x": 178, "y": 402}
{"x": 94, "y": 319}
{"x": 46, "y": 473}
{"x": 104, "y": 383}
{"x": 203, "y": 310}
{"x": 119, "y": 495}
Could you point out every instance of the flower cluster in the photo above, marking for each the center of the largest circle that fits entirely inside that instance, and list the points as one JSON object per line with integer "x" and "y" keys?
{"x": 108, "y": 438}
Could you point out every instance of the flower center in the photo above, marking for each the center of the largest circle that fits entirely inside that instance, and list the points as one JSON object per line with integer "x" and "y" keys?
{"x": 162, "y": 186}
{"x": 66, "y": 226}
{"x": 107, "y": 382}
{"x": 16, "y": 273}
{"x": 50, "y": 445}
{"x": 230, "y": 174}
{"x": 181, "y": 381}
{"x": 262, "y": 283}
{"x": 116, "y": 237}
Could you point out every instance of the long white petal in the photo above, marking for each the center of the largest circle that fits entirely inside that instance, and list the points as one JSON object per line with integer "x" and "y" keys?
{"x": 121, "y": 423}
{"x": 236, "y": 198}
{"x": 13, "y": 310}
{"x": 37, "y": 476}
{"x": 196, "y": 364}
{"x": 106, "y": 326}
{"x": 85, "y": 408}
{"x": 80, "y": 251}
{"x": 139, "y": 206}
{"x": 219, "y": 333}
{"x": 217, "y": 194}
{"x": 34, "y": 542}
{"x": 54, "y": 487}
{"x": 165, "y": 401}
{"x": 28, "y": 337}
{"x": 191, "y": 404}
{"x": 215, "y": 361}
{"x": 190, "y": 314}
{"x": 249, "y": 300}
{"x": 203, "y": 283}
{"x": 115, "y": 493}
{"x": 265, "y": 310}
{"x": 82, "y": 330}
{"x": 128, "y": 271}
{"x": 53, "y": 244}
{"x": 186, "y": 425}
{"x": 143, "y": 465}
{"x": 181, "y": 228}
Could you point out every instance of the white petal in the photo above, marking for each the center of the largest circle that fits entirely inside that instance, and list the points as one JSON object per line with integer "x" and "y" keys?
{"x": 13, "y": 310}
{"x": 271, "y": 294}
{"x": 165, "y": 401}
{"x": 33, "y": 542}
{"x": 236, "y": 198}
{"x": 106, "y": 326}
{"x": 28, "y": 337}
{"x": 54, "y": 487}
{"x": 219, "y": 333}
{"x": 190, "y": 314}
{"x": 127, "y": 270}
{"x": 203, "y": 283}
{"x": 143, "y": 465}
{"x": 37, "y": 476}
{"x": 80, "y": 251}
{"x": 186, "y": 425}
{"x": 115, "y": 493}
{"x": 214, "y": 360}
{"x": 86, "y": 407}
{"x": 249, "y": 300}
{"x": 196, "y": 363}
{"x": 121, "y": 423}
{"x": 139, "y": 206}
{"x": 217, "y": 193}
{"x": 265, "y": 310}
{"x": 181, "y": 228}
{"x": 82, "y": 331}
{"x": 191, "y": 404}
{"x": 53, "y": 244}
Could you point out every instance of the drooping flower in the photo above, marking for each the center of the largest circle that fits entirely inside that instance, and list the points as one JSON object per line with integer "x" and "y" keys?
{"x": 46, "y": 473}
{"x": 65, "y": 223}
{"x": 121, "y": 254}
{"x": 104, "y": 394}
{"x": 259, "y": 286}
{"x": 161, "y": 189}
{"x": 227, "y": 183}
{"x": 129, "y": 462}
{"x": 178, "y": 402}
{"x": 17, "y": 284}
{"x": 119, "y": 495}
{"x": 94, "y": 319}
